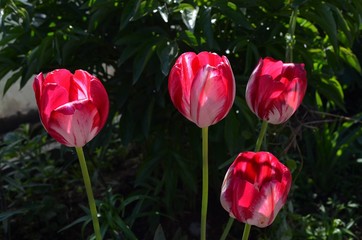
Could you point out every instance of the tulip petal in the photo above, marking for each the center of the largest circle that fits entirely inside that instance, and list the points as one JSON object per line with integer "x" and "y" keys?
{"x": 206, "y": 58}
{"x": 38, "y": 87}
{"x": 75, "y": 123}
{"x": 99, "y": 97}
{"x": 252, "y": 88}
{"x": 60, "y": 77}
{"x": 180, "y": 80}
{"x": 272, "y": 199}
{"x": 226, "y": 194}
{"x": 287, "y": 102}
{"x": 80, "y": 83}
{"x": 52, "y": 97}
{"x": 229, "y": 85}
{"x": 271, "y": 67}
{"x": 207, "y": 96}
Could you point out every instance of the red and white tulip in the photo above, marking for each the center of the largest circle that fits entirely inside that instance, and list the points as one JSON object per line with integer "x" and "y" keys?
{"x": 202, "y": 87}
{"x": 255, "y": 188}
{"x": 72, "y": 107}
{"x": 275, "y": 90}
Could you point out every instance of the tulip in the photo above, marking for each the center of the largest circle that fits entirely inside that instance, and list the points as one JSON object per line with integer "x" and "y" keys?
{"x": 255, "y": 188}
{"x": 276, "y": 89}
{"x": 72, "y": 108}
{"x": 202, "y": 87}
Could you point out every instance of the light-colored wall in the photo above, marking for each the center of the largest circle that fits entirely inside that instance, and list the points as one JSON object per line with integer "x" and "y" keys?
{"x": 16, "y": 100}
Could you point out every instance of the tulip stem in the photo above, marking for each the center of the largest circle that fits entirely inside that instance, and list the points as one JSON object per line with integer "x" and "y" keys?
{"x": 88, "y": 188}
{"x": 227, "y": 228}
{"x": 246, "y": 231}
{"x": 260, "y": 139}
{"x": 205, "y": 182}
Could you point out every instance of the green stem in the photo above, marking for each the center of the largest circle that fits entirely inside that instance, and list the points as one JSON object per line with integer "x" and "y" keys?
{"x": 227, "y": 228}
{"x": 205, "y": 182}
{"x": 246, "y": 231}
{"x": 259, "y": 141}
{"x": 289, "y": 37}
{"x": 88, "y": 188}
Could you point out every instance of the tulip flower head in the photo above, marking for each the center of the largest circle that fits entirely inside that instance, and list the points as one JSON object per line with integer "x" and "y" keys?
{"x": 202, "y": 87}
{"x": 255, "y": 188}
{"x": 72, "y": 108}
{"x": 275, "y": 90}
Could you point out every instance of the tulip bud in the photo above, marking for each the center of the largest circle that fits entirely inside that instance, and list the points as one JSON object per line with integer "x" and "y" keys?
{"x": 202, "y": 87}
{"x": 276, "y": 89}
{"x": 255, "y": 188}
{"x": 72, "y": 108}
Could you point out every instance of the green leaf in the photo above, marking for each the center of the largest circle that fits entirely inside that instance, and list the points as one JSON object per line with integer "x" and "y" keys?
{"x": 342, "y": 24}
{"x": 9, "y": 214}
{"x": 129, "y": 12}
{"x": 159, "y": 234}
{"x": 11, "y": 35}
{"x": 164, "y": 12}
{"x": 4, "y": 71}
{"x": 291, "y": 164}
{"x": 205, "y": 22}
{"x": 127, "y": 53}
{"x": 332, "y": 90}
{"x": 189, "y": 16}
{"x": 350, "y": 58}
{"x": 135, "y": 41}
{"x": 132, "y": 199}
{"x": 323, "y": 16}
{"x": 182, "y": 7}
{"x": 141, "y": 60}
{"x": 189, "y": 38}
{"x": 37, "y": 58}
{"x": 145, "y": 8}
{"x": 124, "y": 227}
{"x": 77, "y": 221}
{"x": 231, "y": 11}
{"x": 167, "y": 53}
{"x": 11, "y": 80}
{"x": 318, "y": 100}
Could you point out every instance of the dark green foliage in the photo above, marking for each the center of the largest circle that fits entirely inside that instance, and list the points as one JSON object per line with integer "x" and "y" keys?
{"x": 147, "y": 160}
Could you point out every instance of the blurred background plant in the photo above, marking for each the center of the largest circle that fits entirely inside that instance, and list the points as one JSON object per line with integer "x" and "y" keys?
{"x": 146, "y": 162}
